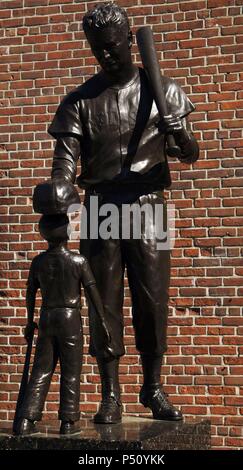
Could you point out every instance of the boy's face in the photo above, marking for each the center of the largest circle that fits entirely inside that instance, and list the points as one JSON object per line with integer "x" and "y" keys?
{"x": 112, "y": 47}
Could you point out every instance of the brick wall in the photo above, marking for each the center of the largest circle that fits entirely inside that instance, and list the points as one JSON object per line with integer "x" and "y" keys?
{"x": 44, "y": 55}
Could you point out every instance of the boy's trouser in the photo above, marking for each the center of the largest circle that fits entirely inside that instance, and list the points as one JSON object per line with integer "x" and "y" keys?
{"x": 148, "y": 270}
{"x": 59, "y": 337}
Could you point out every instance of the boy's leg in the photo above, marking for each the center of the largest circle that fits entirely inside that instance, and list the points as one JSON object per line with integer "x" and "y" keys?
{"x": 44, "y": 365}
{"x": 70, "y": 345}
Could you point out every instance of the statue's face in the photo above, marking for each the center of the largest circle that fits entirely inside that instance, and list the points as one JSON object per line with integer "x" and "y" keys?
{"x": 112, "y": 47}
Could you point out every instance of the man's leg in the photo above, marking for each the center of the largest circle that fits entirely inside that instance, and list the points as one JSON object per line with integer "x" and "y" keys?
{"x": 152, "y": 394}
{"x": 106, "y": 262}
{"x": 110, "y": 411}
{"x": 149, "y": 275}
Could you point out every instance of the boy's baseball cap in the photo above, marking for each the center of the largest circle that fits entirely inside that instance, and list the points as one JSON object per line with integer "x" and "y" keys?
{"x": 54, "y": 197}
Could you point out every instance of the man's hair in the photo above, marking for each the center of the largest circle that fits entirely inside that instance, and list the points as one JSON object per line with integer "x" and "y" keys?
{"x": 104, "y": 14}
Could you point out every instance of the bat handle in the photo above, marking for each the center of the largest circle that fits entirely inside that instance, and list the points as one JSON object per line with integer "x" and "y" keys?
{"x": 172, "y": 149}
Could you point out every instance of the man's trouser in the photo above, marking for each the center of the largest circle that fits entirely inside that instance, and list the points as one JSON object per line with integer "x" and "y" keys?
{"x": 148, "y": 270}
{"x": 59, "y": 337}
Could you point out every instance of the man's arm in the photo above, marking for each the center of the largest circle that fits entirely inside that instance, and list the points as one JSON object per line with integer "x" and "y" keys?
{"x": 66, "y": 128}
{"x": 179, "y": 107}
{"x": 187, "y": 143}
{"x": 32, "y": 287}
{"x": 66, "y": 155}
{"x": 181, "y": 130}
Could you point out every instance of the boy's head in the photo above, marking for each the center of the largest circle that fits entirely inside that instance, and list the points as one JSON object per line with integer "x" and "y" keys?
{"x": 54, "y": 228}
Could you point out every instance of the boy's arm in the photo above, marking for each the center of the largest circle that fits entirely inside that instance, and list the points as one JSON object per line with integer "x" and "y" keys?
{"x": 94, "y": 297}
{"x": 32, "y": 287}
{"x": 98, "y": 326}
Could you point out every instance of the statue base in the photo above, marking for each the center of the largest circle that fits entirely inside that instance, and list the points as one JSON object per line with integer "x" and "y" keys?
{"x": 134, "y": 433}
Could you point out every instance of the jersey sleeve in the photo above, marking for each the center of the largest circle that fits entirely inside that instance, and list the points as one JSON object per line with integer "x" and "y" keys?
{"x": 87, "y": 276}
{"x": 32, "y": 281}
{"x": 177, "y": 101}
{"x": 67, "y": 120}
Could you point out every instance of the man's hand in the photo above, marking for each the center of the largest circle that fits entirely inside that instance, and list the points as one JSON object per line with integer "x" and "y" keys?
{"x": 184, "y": 139}
{"x": 29, "y": 330}
{"x": 170, "y": 124}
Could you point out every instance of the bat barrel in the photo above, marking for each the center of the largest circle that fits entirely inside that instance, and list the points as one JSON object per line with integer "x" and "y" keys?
{"x": 145, "y": 42}
{"x": 24, "y": 382}
{"x": 151, "y": 65}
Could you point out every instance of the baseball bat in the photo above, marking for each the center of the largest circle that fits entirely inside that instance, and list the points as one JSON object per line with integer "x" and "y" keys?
{"x": 146, "y": 46}
{"x": 24, "y": 380}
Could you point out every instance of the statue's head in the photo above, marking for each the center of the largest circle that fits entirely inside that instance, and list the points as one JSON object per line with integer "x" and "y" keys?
{"x": 54, "y": 228}
{"x": 107, "y": 29}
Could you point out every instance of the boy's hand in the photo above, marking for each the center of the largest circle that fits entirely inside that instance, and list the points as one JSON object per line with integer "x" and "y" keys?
{"x": 107, "y": 349}
{"x": 29, "y": 330}
{"x": 107, "y": 336}
{"x": 102, "y": 340}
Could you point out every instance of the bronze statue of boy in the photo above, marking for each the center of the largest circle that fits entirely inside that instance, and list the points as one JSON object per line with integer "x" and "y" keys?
{"x": 59, "y": 273}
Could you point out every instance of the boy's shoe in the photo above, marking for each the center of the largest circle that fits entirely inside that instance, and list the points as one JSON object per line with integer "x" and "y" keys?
{"x": 24, "y": 427}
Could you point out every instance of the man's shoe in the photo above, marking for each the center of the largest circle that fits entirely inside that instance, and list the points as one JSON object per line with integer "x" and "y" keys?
{"x": 157, "y": 401}
{"x": 110, "y": 412}
{"x": 24, "y": 427}
{"x": 68, "y": 427}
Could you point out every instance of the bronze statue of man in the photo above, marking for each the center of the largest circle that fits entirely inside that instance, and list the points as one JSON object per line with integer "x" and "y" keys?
{"x": 112, "y": 122}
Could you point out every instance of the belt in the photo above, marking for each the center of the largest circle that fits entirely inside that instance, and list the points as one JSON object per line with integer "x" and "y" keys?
{"x": 124, "y": 189}
{"x": 123, "y": 195}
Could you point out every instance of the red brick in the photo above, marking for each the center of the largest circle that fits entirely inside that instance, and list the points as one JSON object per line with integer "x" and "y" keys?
{"x": 193, "y": 5}
{"x": 218, "y": 3}
{"x": 191, "y": 43}
{"x": 208, "y": 196}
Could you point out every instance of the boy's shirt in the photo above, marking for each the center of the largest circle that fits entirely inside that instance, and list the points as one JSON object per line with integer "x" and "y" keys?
{"x": 59, "y": 273}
